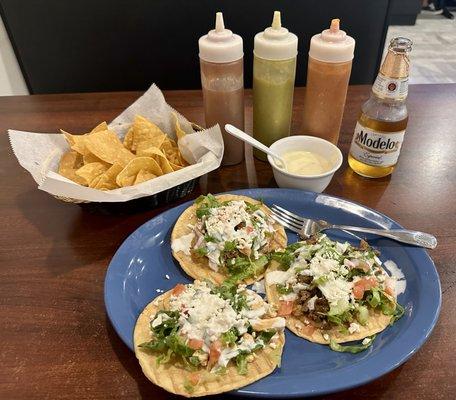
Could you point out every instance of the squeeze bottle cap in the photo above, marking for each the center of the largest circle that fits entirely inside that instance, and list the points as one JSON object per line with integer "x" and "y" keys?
{"x": 332, "y": 45}
{"x": 220, "y": 45}
{"x": 276, "y": 42}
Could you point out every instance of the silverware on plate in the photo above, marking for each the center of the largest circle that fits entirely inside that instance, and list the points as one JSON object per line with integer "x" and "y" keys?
{"x": 306, "y": 227}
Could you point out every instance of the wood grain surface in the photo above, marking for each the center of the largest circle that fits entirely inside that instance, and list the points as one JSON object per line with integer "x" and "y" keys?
{"x": 56, "y": 341}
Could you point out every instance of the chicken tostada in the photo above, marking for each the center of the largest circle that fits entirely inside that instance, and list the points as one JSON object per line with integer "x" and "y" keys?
{"x": 199, "y": 339}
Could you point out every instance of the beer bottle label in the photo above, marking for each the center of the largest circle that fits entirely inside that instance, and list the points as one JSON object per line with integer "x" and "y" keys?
{"x": 375, "y": 148}
{"x": 390, "y": 88}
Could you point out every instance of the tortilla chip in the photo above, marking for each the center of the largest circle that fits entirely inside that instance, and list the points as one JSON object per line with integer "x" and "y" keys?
{"x": 175, "y": 379}
{"x": 143, "y": 176}
{"x": 76, "y": 142}
{"x": 90, "y": 158}
{"x": 143, "y": 131}
{"x": 95, "y": 181}
{"x": 69, "y": 163}
{"x": 100, "y": 127}
{"x": 128, "y": 140}
{"x": 198, "y": 268}
{"x": 301, "y": 327}
{"x": 125, "y": 181}
{"x": 90, "y": 171}
{"x": 175, "y": 167}
{"x": 102, "y": 146}
{"x": 108, "y": 179}
{"x": 107, "y": 146}
{"x": 134, "y": 166}
{"x": 149, "y": 148}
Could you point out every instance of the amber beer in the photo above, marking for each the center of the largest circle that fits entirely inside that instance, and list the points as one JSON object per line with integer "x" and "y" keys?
{"x": 380, "y": 129}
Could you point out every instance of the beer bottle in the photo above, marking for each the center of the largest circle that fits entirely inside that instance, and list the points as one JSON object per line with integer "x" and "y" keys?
{"x": 380, "y": 129}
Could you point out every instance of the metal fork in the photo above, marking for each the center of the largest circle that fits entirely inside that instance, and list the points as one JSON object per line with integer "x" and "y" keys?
{"x": 306, "y": 227}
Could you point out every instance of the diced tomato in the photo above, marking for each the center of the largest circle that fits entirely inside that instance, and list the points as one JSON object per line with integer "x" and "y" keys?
{"x": 362, "y": 285}
{"x": 358, "y": 291}
{"x": 214, "y": 353}
{"x": 249, "y": 229}
{"x": 390, "y": 291}
{"x": 195, "y": 344}
{"x": 370, "y": 283}
{"x": 194, "y": 378}
{"x": 285, "y": 308}
{"x": 178, "y": 289}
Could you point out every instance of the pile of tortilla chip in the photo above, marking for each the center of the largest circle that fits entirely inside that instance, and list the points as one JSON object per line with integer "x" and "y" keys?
{"x": 100, "y": 160}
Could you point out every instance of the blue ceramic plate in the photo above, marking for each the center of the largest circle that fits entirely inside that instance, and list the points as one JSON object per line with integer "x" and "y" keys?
{"x": 139, "y": 269}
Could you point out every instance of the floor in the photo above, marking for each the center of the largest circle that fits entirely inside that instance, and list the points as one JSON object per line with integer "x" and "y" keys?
{"x": 433, "y": 58}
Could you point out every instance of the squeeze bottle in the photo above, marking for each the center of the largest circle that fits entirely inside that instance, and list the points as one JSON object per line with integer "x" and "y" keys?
{"x": 274, "y": 68}
{"x": 222, "y": 78}
{"x": 328, "y": 73}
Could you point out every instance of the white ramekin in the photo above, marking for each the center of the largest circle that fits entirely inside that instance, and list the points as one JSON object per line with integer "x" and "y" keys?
{"x": 314, "y": 183}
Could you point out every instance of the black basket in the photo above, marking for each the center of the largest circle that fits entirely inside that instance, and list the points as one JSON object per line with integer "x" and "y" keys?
{"x": 143, "y": 203}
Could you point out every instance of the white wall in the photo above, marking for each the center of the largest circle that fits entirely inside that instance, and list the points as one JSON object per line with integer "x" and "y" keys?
{"x": 11, "y": 79}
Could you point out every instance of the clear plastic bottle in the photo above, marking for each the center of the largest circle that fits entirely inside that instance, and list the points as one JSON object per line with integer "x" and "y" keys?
{"x": 222, "y": 79}
{"x": 328, "y": 73}
{"x": 274, "y": 69}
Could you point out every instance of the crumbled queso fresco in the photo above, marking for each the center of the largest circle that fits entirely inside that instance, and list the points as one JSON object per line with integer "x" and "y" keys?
{"x": 233, "y": 223}
{"x": 206, "y": 316}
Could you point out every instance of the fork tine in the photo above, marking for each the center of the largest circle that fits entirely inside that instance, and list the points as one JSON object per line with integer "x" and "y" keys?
{"x": 284, "y": 223}
{"x": 293, "y": 224}
{"x": 290, "y": 214}
{"x": 287, "y": 219}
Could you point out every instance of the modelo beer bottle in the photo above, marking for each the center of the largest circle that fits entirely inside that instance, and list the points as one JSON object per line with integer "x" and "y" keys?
{"x": 380, "y": 129}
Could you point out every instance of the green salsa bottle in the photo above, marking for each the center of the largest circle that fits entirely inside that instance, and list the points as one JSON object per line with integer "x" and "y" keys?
{"x": 274, "y": 69}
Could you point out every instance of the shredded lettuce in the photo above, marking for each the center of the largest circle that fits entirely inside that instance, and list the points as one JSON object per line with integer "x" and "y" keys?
{"x": 228, "y": 291}
{"x": 266, "y": 336}
{"x": 398, "y": 313}
{"x": 362, "y": 315}
{"x": 205, "y": 203}
{"x": 167, "y": 338}
{"x": 356, "y": 348}
{"x": 251, "y": 208}
{"x": 319, "y": 281}
{"x": 340, "y": 319}
{"x": 241, "y": 363}
{"x": 229, "y": 245}
{"x": 230, "y": 337}
{"x": 373, "y": 298}
{"x": 242, "y": 267}
{"x": 354, "y": 272}
{"x": 285, "y": 258}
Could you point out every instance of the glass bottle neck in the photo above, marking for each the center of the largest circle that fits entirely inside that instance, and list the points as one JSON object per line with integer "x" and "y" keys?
{"x": 395, "y": 65}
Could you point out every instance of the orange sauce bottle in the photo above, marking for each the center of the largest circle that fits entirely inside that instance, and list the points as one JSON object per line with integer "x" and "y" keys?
{"x": 328, "y": 73}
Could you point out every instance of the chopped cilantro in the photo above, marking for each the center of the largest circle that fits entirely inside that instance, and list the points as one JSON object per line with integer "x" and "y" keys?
{"x": 205, "y": 203}
{"x": 283, "y": 289}
{"x": 209, "y": 239}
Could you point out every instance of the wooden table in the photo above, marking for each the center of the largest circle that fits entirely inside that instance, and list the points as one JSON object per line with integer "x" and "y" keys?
{"x": 55, "y": 339}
